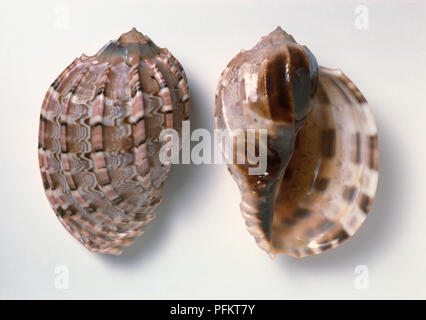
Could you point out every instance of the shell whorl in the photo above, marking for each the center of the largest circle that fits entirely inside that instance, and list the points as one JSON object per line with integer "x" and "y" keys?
{"x": 98, "y": 139}
{"x": 322, "y": 153}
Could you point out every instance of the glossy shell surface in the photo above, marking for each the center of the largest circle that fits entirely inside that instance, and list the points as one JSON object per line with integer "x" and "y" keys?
{"x": 322, "y": 149}
{"x": 99, "y": 139}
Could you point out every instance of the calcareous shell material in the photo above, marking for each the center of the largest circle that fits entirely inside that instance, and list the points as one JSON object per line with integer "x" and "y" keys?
{"x": 99, "y": 139}
{"x": 322, "y": 150}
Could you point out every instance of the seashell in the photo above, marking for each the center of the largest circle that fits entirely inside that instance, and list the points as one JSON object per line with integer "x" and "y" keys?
{"x": 322, "y": 150}
{"x": 99, "y": 139}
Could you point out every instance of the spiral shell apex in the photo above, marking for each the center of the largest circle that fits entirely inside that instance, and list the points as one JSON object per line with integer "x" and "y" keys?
{"x": 322, "y": 149}
{"x": 99, "y": 139}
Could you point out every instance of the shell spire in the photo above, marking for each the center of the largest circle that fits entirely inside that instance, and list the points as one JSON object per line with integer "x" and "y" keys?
{"x": 131, "y": 47}
{"x": 133, "y": 37}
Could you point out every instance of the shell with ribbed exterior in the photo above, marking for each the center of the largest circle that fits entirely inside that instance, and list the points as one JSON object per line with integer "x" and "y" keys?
{"x": 99, "y": 139}
{"x": 322, "y": 151}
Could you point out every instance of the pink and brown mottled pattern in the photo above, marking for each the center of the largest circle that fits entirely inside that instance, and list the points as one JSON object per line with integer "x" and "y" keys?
{"x": 322, "y": 147}
{"x": 99, "y": 139}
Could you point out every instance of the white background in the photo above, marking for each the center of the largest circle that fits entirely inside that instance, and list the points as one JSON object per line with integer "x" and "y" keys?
{"x": 198, "y": 246}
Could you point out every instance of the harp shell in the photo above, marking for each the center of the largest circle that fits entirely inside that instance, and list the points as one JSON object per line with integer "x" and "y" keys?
{"x": 99, "y": 139}
{"x": 322, "y": 149}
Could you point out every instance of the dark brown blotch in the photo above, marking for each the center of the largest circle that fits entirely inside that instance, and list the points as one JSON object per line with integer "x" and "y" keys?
{"x": 328, "y": 143}
{"x": 325, "y": 246}
{"x": 358, "y": 147}
{"x": 300, "y": 81}
{"x": 278, "y": 89}
{"x": 349, "y": 193}
{"x": 365, "y": 203}
{"x": 61, "y": 212}
{"x": 302, "y": 213}
{"x": 374, "y": 153}
{"x": 72, "y": 211}
{"x": 342, "y": 235}
{"x": 98, "y": 144}
{"x": 321, "y": 184}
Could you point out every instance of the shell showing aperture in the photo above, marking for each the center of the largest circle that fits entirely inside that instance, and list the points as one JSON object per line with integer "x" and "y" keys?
{"x": 99, "y": 139}
{"x": 322, "y": 151}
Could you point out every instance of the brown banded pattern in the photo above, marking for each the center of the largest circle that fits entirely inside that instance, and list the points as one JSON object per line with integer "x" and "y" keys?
{"x": 98, "y": 140}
